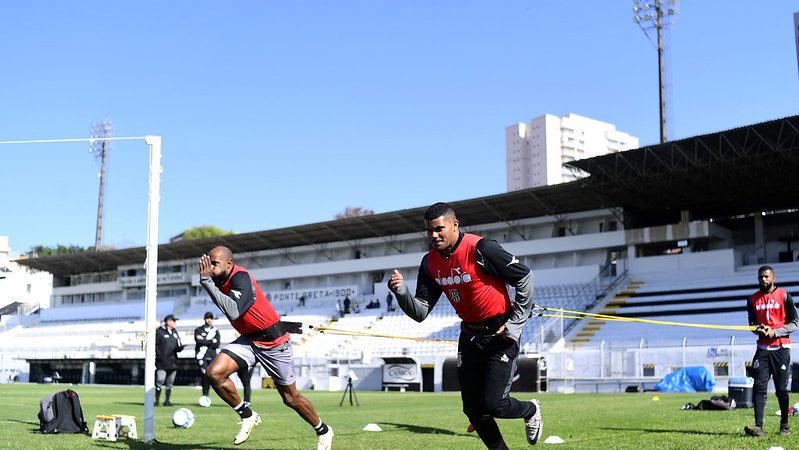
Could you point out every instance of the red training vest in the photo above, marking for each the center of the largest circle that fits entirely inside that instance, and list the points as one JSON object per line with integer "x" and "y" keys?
{"x": 770, "y": 310}
{"x": 475, "y": 295}
{"x": 260, "y": 316}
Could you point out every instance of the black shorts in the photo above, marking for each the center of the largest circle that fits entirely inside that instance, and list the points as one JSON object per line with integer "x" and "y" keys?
{"x": 772, "y": 363}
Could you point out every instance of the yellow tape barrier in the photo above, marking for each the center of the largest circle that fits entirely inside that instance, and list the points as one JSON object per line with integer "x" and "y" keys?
{"x": 582, "y": 315}
{"x": 341, "y": 332}
{"x": 564, "y": 313}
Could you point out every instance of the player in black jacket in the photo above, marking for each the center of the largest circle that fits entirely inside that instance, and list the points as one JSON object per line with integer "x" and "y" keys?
{"x": 206, "y": 343}
{"x": 167, "y": 346}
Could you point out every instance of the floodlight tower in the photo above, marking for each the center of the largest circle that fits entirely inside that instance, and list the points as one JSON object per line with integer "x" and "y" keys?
{"x": 657, "y": 15}
{"x": 99, "y": 145}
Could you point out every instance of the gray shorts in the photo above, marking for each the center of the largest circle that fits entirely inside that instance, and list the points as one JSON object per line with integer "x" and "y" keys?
{"x": 278, "y": 361}
{"x": 165, "y": 378}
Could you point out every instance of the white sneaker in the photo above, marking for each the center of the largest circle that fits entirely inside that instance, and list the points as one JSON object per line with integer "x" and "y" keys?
{"x": 246, "y": 427}
{"x": 325, "y": 441}
{"x": 534, "y": 426}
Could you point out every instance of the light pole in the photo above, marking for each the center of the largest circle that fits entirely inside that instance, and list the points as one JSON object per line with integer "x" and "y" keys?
{"x": 99, "y": 146}
{"x": 656, "y": 15}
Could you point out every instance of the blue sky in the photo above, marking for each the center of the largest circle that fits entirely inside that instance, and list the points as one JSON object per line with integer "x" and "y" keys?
{"x": 276, "y": 114}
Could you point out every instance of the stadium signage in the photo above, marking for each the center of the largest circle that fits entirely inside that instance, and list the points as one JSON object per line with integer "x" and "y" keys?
{"x": 401, "y": 373}
{"x": 324, "y": 293}
{"x": 161, "y": 278}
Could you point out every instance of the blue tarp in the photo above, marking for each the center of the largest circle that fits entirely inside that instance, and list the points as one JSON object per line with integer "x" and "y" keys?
{"x": 688, "y": 379}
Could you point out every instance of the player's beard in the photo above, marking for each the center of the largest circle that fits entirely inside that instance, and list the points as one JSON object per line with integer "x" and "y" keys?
{"x": 219, "y": 280}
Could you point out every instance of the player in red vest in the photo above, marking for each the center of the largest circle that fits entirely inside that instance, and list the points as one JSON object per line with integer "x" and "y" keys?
{"x": 262, "y": 340}
{"x": 773, "y": 314}
{"x": 473, "y": 272}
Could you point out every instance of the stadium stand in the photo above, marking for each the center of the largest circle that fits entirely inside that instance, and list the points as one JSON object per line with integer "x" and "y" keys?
{"x": 680, "y": 297}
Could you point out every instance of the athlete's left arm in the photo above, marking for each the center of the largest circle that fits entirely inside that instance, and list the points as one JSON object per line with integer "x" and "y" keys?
{"x": 791, "y": 320}
{"x": 494, "y": 260}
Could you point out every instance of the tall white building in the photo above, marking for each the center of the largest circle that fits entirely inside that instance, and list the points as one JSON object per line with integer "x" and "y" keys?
{"x": 796, "y": 32}
{"x": 536, "y": 151}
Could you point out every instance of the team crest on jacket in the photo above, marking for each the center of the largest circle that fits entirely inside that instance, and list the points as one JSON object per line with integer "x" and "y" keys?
{"x": 456, "y": 276}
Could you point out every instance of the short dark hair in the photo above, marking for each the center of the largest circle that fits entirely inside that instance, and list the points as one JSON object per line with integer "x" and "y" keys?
{"x": 765, "y": 268}
{"x": 437, "y": 210}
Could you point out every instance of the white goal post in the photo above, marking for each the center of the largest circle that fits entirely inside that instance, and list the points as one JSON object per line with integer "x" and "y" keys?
{"x": 150, "y": 265}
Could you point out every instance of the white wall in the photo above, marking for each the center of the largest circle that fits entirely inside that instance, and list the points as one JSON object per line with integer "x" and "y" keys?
{"x": 105, "y": 311}
{"x": 716, "y": 262}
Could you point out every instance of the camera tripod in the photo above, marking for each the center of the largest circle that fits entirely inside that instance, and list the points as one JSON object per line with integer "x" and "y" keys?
{"x": 351, "y": 391}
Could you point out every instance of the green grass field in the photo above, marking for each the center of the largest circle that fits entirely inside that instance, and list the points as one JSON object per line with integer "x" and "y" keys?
{"x": 409, "y": 421}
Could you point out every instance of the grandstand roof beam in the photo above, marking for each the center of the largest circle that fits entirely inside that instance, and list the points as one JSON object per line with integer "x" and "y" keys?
{"x": 503, "y": 219}
{"x": 549, "y": 208}
{"x": 795, "y": 135}
{"x": 378, "y": 235}
{"x": 723, "y": 138}
{"x": 314, "y": 244}
{"x": 666, "y": 164}
{"x": 340, "y": 236}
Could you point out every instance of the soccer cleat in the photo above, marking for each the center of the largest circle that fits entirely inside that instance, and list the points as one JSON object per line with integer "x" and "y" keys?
{"x": 246, "y": 427}
{"x": 534, "y": 425}
{"x": 325, "y": 441}
{"x": 785, "y": 429}
{"x": 168, "y": 403}
{"x": 754, "y": 431}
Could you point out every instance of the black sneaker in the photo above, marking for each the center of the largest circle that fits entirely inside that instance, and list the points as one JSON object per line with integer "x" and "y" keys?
{"x": 754, "y": 431}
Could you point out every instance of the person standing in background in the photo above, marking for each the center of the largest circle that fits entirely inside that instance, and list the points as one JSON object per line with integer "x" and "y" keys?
{"x": 206, "y": 343}
{"x": 167, "y": 347}
{"x": 773, "y": 314}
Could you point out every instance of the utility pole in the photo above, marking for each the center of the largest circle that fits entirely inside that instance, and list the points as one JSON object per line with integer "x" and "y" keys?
{"x": 99, "y": 145}
{"x": 656, "y": 15}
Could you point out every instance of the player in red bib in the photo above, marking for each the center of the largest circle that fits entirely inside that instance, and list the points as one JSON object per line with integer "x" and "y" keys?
{"x": 473, "y": 273}
{"x": 773, "y": 314}
{"x": 262, "y": 340}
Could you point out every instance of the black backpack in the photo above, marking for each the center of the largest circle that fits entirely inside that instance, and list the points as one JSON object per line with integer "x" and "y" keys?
{"x": 717, "y": 403}
{"x": 61, "y": 413}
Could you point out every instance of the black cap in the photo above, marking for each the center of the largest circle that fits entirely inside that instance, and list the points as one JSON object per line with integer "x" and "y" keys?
{"x": 209, "y": 315}
{"x": 170, "y": 317}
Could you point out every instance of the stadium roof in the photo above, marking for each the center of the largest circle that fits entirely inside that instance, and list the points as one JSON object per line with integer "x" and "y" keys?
{"x": 752, "y": 168}
{"x": 733, "y": 172}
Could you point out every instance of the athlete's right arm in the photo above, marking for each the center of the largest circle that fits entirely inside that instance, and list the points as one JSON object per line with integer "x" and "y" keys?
{"x": 418, "y": 306}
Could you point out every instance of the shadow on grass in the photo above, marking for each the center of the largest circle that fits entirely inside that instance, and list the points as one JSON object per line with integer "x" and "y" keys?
{"x": 662, "y": 430}
{"x": 423, "y": 430}
{"x": 27, "y": 422}
{"x": 158, "y": 445}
